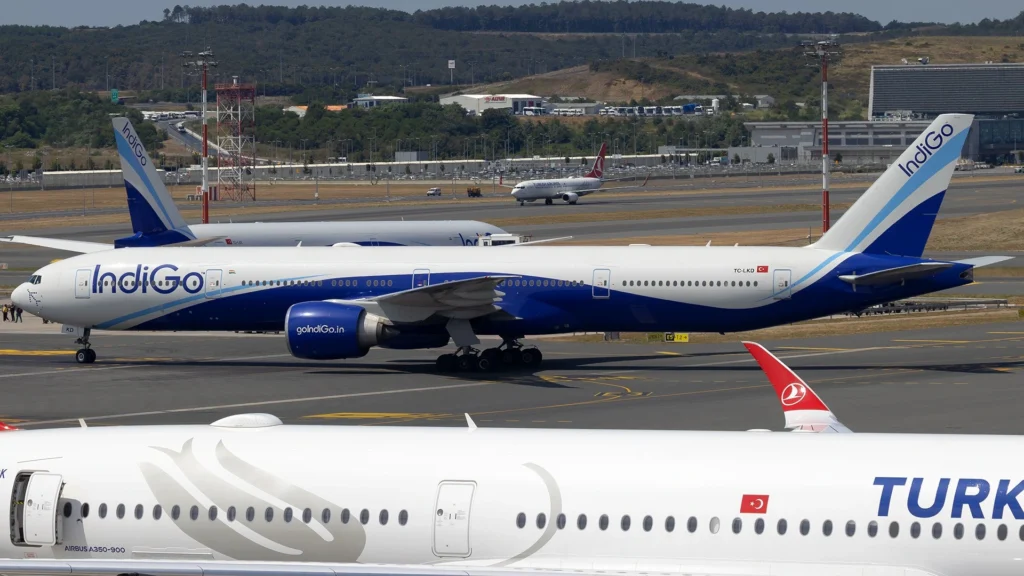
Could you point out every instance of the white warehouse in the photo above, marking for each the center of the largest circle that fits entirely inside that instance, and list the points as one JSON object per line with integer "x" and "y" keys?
{"x": 477, "y": 103}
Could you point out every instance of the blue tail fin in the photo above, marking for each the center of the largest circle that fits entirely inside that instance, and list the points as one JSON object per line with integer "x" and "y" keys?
{"x": 155, "y": 219}
{"x": 896, "y": 214}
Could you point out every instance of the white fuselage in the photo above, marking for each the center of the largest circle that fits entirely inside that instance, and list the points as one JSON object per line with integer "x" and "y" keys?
{"x": 368, "y": 233}
{"x": 539, "y": 499}
{"x": 554, "y": 188}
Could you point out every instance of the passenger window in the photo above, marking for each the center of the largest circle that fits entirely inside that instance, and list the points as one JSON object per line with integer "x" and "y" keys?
{"x": 157, "y": 512}
{"x": 268, "y": 514}
{"x": 602, "y": 522}
{"x": 212, "y": 513}
{"x": 691, "y": 525}
{"x": 175, "y": 512}
{"x": 85, "y": 510}
{"x": 383, "y": 517}
{"x": 288, "y": 514}
{"x": 805, "y": 527}
{"x": 737, "y": 525}
{"x": 232, "y": 513}
{"x": 958, "y": 531}
{"x": 937, "y": 530}
{"x": 894, "y": 529}
{"x": 759, "y": 525}
{"x": 648, "y": 523}
{"x": 345, "y": 515}
{"x": 560, "y": 521}
{"x": 581, "y": 522}
{"x": 403, "y": 517}
{"x": 979, "y": 532}
{"x": 250, "y": 514}
{"x": 307, "y": 515}
{"x": 670, "y": 524}
{"x": 782, "y": 525}
{"x": 826, "y": 528}
{"x": 915, "y": 529}
{"x": 521, "y": 520}
{"x": 325, "y": 516}
{"x": 67, "y": 510}
{"x": 364, "y": 516}
{"x": 138, "y": 511}
{"x": 851, "y": 528}
{"x": 542, "y": 520}
{"x": 624, "y": 523}
{"x": 193, "y": 513}
{"x": 103, "y": 510}
{"x": 1020, "y": 533}
{"x": 1001, "y": 532}
{"x": 715, "y": 525}
{"x": 755, "y": 283}
{"x": 120, "y": 511}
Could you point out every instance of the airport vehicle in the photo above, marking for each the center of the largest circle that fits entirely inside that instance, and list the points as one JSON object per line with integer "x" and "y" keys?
{"x": 335, "y": 304}
{"x": 474, "y": 192}
{"x": 250, "y": 496}
{"x": 156, "y": 221}
{"x": 569, "y": 190}
{"x": 180, "y": 127}
{"x": 434, "y": 192}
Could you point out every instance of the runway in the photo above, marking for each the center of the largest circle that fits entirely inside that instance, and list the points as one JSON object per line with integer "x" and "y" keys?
{"x": 949, "y": 380}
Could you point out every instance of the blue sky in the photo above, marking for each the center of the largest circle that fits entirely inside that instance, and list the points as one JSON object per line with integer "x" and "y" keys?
{"x": 113, "y": 12}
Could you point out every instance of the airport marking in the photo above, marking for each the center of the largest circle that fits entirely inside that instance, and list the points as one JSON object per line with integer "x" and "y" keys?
{"x": 376, "y": 415}
{"x": 13, "y": 352}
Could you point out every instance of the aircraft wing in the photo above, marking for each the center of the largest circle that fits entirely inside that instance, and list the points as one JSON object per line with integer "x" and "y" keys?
{"x": 460, "y": 299}
{"x": 804, "y": 410}
{"x": 585, "y": 192}
{"x": 76, "y": 246}
{"x": 896, "y": 275}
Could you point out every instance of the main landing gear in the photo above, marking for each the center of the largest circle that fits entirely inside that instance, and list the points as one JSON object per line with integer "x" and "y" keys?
{"x": 510, "y": 354}
{"x": 86, "y": 355}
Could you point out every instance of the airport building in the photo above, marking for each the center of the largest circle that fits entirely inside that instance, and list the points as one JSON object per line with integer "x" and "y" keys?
{"x": 477, "y": 103}
{"x": 925, "y": 91}
{"x": 371, "y": 101}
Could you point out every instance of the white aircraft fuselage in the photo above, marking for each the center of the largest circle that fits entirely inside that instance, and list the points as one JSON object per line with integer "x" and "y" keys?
{"x": 567, "y": 189}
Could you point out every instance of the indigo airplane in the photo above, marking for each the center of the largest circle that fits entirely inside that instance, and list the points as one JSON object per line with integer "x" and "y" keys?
{"x": 338, "y": 303}
{"x": 250, "y": 496}
{"x": 156, "y": 221}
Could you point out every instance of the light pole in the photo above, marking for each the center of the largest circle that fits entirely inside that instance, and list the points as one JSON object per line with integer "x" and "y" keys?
{"x": 822, "y": 53}
{"x": 203, "y": 63}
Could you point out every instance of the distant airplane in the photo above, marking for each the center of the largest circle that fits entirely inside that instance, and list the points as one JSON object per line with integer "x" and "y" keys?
{"x": 156, "y": 220}
{"x": 339, "y": 303}
{"x": 568, "y": 190}
{"x": 251, "y": 496}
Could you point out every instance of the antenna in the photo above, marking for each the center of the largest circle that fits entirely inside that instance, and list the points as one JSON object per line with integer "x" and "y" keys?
{"x": 821, "y": 53}
{"x": 203, "y": 63}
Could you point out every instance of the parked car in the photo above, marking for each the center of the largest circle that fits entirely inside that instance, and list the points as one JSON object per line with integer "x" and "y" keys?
{"x": 434, "y": 192}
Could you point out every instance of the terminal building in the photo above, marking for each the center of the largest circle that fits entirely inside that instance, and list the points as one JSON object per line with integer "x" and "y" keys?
{"x": 371, "y": 101}
{"x": 477, "y": 103}
{"x": 925, "y": 91}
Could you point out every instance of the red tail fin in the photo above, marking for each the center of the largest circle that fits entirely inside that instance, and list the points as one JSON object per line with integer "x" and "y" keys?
{"x": 598, "y": 170}
{"x": 793, "y": 392}
{"x": 6, "y": 427}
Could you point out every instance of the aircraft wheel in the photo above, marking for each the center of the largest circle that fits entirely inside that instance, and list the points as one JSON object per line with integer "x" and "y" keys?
{"x": 510, "y": 357}
{"x": 85, "y": 356}
{"x": 466, "y": 362}
{"x": 549, "y": 201}
{"x": 490, "y": 360}
{"x": 530, "y": 357}
{"x": 92, "y": 356}
{"x": 573, "y": 203}
{"x": 445, "y": 363}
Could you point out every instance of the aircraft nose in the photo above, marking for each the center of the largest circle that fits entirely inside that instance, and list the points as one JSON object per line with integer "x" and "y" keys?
{"x": 20, "y": 296}
{"x": 515, "y": 193}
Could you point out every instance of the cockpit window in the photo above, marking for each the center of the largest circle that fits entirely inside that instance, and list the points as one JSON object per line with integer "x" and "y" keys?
{"x": 35, "y": 279}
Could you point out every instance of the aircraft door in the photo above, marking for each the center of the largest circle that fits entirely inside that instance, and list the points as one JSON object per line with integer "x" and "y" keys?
{"x": 782, "y": 288}
{"x": 214, "y": 278}
{"x": 82, "y": 288}
{"x": 602, "y": 283}
{"x": 451, "y": 519}
{"x": 37, "y": 519}
{"x": 420, "y": 278}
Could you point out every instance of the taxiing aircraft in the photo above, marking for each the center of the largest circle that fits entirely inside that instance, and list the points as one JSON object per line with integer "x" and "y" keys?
{"x": 250, "y": 496}
{"x": 156, "y": 221}
{"x": 568, "y": 190}
{"x": 336, "y": 304}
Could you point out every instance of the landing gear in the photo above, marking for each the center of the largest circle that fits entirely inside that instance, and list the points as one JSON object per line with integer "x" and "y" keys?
{"x": 508, "y": 355}
{"x": 549, "y": 201}
{"x": 86, "y": 355}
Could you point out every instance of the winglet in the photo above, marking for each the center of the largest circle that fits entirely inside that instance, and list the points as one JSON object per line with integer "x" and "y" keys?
{"x": 804, "y": 410}
{"x": 81, "y": 422}
{"x": 469, "y": 421}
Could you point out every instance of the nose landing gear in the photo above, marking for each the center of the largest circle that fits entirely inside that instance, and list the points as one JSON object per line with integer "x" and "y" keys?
{"x": 85, "y": 355}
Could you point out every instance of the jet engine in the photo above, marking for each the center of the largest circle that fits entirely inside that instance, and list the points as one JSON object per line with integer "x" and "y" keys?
{"x": 331, "y": 331}
{"x": 570, "y": 197}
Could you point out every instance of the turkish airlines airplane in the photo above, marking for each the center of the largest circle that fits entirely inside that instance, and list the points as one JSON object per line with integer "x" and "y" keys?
{"x": 249, "y": 496}
{"x": 156, "y": 221}
{"x": 335, "y": 304}
{"x": 569, "y": 190}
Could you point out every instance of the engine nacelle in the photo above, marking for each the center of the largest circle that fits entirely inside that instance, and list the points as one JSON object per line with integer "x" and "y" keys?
{"x": 570, "y": 197}
{"x": 331, "y": 331}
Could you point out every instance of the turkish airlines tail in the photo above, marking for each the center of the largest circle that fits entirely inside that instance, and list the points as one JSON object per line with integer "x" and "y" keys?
{"x": 804, "y": 410}
{"x": 597, "y": 171}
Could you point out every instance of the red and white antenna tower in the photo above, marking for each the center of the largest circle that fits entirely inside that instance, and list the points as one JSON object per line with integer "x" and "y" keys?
{"x": 236, "y": 140}
{"x": 823, "y": 52}
{"x": 203, "y": 63}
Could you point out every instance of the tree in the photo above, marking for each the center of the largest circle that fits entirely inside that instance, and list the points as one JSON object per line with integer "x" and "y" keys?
{"x": 771, "y": 158}
{"x": 736, "y": 159}
{"x": 839, "y": 158}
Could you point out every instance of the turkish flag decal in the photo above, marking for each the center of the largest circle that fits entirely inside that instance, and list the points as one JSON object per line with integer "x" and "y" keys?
{"x": 754, "y": 504}
{"x": 762, "y": 269}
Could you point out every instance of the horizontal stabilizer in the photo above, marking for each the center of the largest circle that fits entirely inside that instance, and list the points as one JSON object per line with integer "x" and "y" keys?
{"x": 196, "y": 242}
{"x": 896, "y": 275}
{"x": 985, "y": 260}
{"x": 533, "y": 242}
{"x": 77, "y": 246}
{"x": 804, "y": 410}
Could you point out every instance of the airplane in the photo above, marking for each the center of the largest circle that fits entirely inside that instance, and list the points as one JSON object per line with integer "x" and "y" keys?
{"x": 334, "y": 304}
{"x": 248, "y": 496}
{"x": 156, "y": 220}
{"x": 569, "y": 190}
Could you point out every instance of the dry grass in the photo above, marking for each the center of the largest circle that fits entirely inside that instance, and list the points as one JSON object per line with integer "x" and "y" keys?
{"x": 836, "y": 327}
